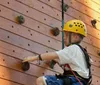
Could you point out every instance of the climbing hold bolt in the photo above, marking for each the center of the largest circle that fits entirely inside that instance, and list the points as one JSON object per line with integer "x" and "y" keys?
{"x": 93, "y": 22}
{"x": 20, "y": 19}
{"x": 25, "y": 66}
{"x": 55, "y": 31}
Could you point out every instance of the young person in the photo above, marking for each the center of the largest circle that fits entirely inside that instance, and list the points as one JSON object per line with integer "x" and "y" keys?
{"x": 75, "y": 62}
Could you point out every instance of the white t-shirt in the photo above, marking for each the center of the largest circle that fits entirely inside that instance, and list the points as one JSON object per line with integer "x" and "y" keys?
{"x": 74, "y": 56}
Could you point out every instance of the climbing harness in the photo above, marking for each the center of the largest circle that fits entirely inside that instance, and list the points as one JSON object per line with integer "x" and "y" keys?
{"x": 76, "y": 75}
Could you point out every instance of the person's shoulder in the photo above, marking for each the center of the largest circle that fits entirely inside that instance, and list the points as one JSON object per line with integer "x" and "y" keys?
{"x": 73, "y": 46}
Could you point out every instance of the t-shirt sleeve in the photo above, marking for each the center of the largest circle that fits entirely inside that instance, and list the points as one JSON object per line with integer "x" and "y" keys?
{"x": 67, "y": 54}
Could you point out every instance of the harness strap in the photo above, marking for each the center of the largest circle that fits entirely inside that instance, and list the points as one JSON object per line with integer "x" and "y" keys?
{"x": 73, "y": 73}
{"x": 89, "y": 80}
{"x": 87, "y": 59}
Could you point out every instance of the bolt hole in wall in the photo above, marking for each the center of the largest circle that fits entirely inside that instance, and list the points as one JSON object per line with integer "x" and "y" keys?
{"x": 71, "y": 2}
{"x": 13, "y": 50}
{"x": 42, "y": 7}
{"x": 8, "y": 37}
{"x": 57, "y": 14}
{"x": 8, "y": 3}
{"x": 29, "y": 30}
{"x": 12, "y": 26}
{"x": 46, "y": 51}
{"x": 48, "y": 40}
{"x": 3, "y": 59}
{"x": 92, "y": 69}
{"x": 31, "y": 34}
{"x": 27, "y": 11}
{"x": 28, "y": 44}
{"x": 38, "y": 26}
{"x": 45, "y": 19}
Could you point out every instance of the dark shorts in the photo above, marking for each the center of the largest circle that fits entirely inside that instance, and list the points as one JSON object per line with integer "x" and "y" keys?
{"x": 53, "y": 80}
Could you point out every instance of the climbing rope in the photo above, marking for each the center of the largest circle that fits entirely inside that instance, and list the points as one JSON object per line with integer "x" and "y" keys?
{"x": 62, "y": 24}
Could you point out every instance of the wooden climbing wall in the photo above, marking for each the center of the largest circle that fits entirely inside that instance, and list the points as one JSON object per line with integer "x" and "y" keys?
{"x": 34, "y": 36}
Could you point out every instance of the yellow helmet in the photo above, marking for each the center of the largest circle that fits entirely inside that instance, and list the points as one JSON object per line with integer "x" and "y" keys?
{"x": 76, "y": 26}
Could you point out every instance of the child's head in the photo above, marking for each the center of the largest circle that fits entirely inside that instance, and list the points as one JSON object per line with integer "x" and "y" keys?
{"x": 74, "y": 31}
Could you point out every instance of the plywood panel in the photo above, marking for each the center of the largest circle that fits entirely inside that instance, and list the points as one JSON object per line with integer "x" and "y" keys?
{"x": 96, "y": 1}
{"x": 32, "y": 13}
{"x": 29, "y": 23}
{"x": 96, "y": 71}
{"x": 39, "y": 27}
{"x": 16, "y": 50}
{"x": 95, "y": 80}
{"x": 32, "y": 46}
{"x": 70, "y": 10}
{"x": 45, "y": 40}
{"x": 19, "y": 54}
{"x": 13, "y": 75}
{"x": 96, "y": 60}
{"x": 90, "y": 48}
{"x": 75, "y": 10}
{"x": 30, "y": 34}
{"x": 92, "y": 4}
{"x": 24, "y": 79}
{"x": 34, "y": 70}
{"x": 15, "y": 64}
{"x": 84, "y": 9}
{"x": 43, "y": 8}
{"x": 6, "y": 82}
{"x": 87, "y": 7}
{"x": 35, "y": 36}
{"x": 23, "y": 43}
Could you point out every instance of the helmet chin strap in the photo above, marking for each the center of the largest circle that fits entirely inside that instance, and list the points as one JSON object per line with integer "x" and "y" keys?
{"x": 69, "y": 37}
{"x": 70, "y": 40}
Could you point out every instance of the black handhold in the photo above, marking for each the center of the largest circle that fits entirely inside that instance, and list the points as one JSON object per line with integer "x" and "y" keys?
{"x": 55, "y": 31}
{"x": 52, "y": 63}
{"x": 25, "y": 66}
{"x": 20, "y": 19}
{"x": 99, "y": 53}
{"x": 93, "y": 22}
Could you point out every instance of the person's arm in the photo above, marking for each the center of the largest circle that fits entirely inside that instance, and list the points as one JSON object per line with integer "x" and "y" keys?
{"x": 45, "y": 56}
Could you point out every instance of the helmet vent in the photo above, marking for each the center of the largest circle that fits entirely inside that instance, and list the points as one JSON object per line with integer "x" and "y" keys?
{"x": 74, "y": 22}
{"x": 70, "y": 25}
{"x": 78, "y": 25}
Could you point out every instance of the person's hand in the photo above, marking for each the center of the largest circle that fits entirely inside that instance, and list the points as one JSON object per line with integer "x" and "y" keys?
{"x": 27, "y": 59}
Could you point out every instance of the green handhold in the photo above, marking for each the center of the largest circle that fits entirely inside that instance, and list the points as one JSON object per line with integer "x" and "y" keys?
{"x": 65, "y": 7}
{"x": 20, "y": 19}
